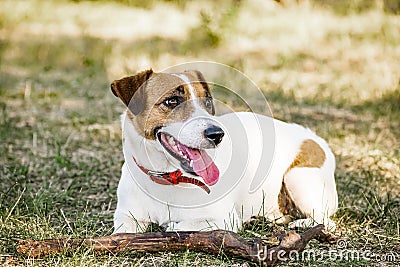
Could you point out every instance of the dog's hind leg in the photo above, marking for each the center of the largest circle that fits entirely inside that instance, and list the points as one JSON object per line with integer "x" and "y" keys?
{"x": 313, "y": 193}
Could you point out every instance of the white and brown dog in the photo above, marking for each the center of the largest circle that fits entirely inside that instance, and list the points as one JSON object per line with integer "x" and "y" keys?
{"x": 187, "y": 169}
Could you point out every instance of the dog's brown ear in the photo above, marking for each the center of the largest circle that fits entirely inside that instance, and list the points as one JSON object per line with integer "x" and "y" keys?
{"x": 131, "y": 90}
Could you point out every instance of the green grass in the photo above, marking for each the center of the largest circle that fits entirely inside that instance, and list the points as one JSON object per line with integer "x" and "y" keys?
{"x": 332, "y": 68}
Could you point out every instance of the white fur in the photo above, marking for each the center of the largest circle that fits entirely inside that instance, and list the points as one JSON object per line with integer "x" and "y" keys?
{"x": 231, "y": 200}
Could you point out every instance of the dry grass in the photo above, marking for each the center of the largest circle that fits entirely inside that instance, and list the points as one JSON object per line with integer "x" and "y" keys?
{"x": 60, "y": 158}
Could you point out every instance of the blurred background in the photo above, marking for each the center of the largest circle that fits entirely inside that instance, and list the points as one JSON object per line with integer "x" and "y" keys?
{"x": 299, "y": 47}
{"x": 333, "y": 66}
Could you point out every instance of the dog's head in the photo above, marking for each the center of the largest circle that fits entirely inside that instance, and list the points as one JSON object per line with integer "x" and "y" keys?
{"x": 176, "y": 111}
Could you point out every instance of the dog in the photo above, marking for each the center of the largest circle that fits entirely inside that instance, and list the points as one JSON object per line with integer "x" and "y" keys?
{"x": 186, "y": 169}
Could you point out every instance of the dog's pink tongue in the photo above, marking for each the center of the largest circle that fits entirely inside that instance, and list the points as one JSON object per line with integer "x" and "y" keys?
{"x": 204, "y": 166}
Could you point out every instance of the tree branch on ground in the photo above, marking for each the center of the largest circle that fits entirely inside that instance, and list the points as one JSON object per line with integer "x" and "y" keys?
{"x": 213, "y": 242}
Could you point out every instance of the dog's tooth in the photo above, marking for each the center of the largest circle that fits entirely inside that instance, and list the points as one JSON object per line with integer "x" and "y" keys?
{"x": 191, "y": 163}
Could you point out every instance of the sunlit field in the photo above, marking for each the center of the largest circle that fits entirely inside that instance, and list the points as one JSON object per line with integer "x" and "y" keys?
{"x": 332, "y": 67}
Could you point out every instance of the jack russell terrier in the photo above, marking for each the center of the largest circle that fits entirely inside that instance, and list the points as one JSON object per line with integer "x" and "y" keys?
{"x": 188, "y": 170}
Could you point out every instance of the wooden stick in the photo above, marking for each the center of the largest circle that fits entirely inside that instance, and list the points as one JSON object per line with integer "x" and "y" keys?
{"x": 214, "y": 242}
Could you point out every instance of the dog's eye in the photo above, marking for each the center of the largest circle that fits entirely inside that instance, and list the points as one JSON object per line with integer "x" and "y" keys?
{"x": 172, "y": 102}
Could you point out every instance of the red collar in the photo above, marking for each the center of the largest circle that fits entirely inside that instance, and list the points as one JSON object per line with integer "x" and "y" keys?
{"x": 171, "y": 178}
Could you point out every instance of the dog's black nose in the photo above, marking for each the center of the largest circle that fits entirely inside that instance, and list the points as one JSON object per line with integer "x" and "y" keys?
{"x": 214, "y": 134}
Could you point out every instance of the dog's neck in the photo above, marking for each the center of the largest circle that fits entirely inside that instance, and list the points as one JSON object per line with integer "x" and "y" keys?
{"x": 148, "y": 153}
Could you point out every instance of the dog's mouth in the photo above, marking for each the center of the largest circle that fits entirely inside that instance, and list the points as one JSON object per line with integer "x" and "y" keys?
{"x": 192, "y": 160}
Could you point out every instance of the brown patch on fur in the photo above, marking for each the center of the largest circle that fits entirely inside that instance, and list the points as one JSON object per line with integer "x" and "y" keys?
{"x": 311, "y": 155}
{"x": 156, "y": 114}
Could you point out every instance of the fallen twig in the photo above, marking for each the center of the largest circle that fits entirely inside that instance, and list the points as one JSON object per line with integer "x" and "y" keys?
{"x": 214, "y": 242}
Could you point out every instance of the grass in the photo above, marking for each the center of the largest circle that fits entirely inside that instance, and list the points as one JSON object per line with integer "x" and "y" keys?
{"x": 60, "y": 158}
